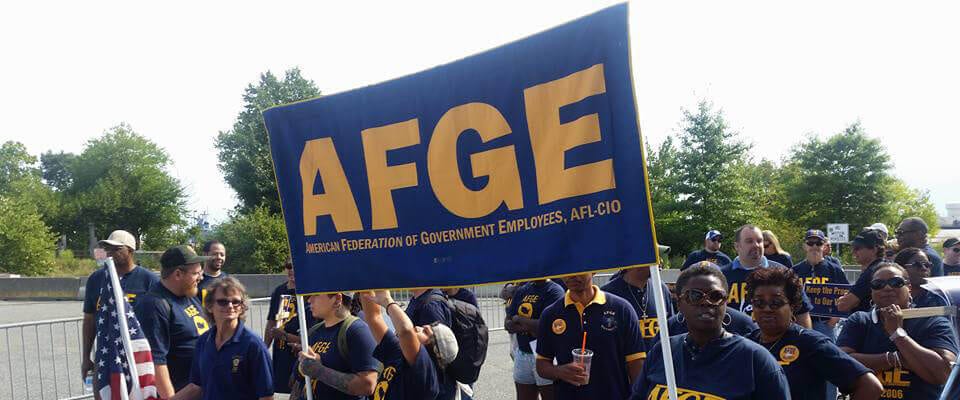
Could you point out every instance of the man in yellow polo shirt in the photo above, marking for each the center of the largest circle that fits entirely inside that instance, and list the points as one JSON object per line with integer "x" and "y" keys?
{"x": 612, "y": 334}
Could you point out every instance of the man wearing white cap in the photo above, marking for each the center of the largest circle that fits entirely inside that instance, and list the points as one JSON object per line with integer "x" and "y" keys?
{"x": 134, "y": 281}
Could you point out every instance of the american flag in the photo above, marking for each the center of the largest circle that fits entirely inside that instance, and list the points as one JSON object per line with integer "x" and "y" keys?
{"x": 111, "y": 359}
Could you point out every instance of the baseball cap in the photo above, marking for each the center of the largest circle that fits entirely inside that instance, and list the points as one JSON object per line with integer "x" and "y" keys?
{"x": 181, "y": 255}
{"x": 120, "y": 238}
{"x": 879, "y": 226}
{"x": 444, "y": 346}
{"x": 867, "y": 238}
{"x": 713, "y": 234}
{"x": 815, "y": 233}
{"x": 951, "y": 242}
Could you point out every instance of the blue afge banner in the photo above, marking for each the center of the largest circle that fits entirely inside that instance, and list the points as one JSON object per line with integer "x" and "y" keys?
{"x": 524, "y": 161}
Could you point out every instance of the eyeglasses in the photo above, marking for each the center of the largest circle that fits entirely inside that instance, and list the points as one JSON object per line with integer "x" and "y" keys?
{"x": 229, "y": 302}
{"x": 919, "y": 265}
{"x": 896, "y": 282}
{"x": 814, "y": 244}
{"x": 695, "y": 296}
{"x": 716, "y": 239}
{"x": 900, "y": 232}
{"x": 773, "y": 304}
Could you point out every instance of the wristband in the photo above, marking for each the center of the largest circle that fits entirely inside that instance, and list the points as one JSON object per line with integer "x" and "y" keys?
{"x": 392, "y": 303}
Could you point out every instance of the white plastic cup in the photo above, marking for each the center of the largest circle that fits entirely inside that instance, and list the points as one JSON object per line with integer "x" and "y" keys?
{"x": 584, "y": 359}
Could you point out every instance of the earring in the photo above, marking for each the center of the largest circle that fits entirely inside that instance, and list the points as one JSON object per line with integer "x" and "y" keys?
{"x": 727, "y": 319}
{"x": 680, "y": 317}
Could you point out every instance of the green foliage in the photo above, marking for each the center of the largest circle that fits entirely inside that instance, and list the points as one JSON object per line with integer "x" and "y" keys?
{"x": 908, "y": 202}
{"x": 244, "y": 151}
{"x": 119, "y": 181}
{"x": 256, "y": 242}
{"x": 56, "y": 169}
{"x": 67, "y": 265}
{"x": 839, "y": 180}
{"x": 26, "y": 243}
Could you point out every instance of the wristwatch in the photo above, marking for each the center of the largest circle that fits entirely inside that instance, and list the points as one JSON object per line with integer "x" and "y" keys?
{"x": 899, "y": 333}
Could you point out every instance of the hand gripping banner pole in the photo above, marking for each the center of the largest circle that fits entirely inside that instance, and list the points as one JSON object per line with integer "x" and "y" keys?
{"x": 120, "y": 301}
{"x": 664, "y": 332}
{"x": 304, "y": 341}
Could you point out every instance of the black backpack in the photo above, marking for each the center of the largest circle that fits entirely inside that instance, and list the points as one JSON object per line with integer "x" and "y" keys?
{"x": 472, "y": 338}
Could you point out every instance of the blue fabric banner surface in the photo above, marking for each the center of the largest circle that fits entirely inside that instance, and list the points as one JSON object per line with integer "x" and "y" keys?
{"x": 824, "y": 298}
{"x": 521, "y": 162}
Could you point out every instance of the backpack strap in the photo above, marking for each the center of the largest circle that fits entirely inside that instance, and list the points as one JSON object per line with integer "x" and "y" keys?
{"x": 342, "y": 336}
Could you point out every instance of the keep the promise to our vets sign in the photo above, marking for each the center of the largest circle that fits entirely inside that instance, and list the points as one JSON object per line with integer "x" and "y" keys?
{"x": 523, "y": 161}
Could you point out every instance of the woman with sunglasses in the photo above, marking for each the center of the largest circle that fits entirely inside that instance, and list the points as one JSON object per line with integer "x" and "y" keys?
{"x": 912, "y": 357}
{"x": 918, "y": 270}
{"x": 340, "y": 364}
{"x": 709, "y": 361}
{"x": 773, "y": 251}
{"x": 230, "y": 361}
{"x": 809, "y": 358}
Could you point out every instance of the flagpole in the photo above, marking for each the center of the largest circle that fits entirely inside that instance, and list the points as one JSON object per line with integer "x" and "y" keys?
{"x": 120, "y": 301}
{"x": 304, "y": 341}
{"x": 123, "y": 387}
{"x": 664, "y": 332}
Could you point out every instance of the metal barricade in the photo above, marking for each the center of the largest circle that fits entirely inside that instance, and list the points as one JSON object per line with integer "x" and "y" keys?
{"x": 41, "y": 359}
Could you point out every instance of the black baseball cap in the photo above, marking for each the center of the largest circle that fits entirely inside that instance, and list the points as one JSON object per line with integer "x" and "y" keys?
{"x": 868, "y": 238}
{"x": 181, "y": 255}
{"x": 950, "y": 242}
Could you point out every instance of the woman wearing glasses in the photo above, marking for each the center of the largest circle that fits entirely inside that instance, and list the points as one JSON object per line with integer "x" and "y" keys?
{"x": 809, "y": 358}
{"x": 773, "y": 251}
{"x": 230, "y": 361}
{"x": 912, "y": 357}
{"x": 918, "y": 270}
{"x": 709, "y": 361}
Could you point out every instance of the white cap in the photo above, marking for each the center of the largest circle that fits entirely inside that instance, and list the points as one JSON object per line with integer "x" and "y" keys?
{"x": 879, "y": 226}
{"x": 120, "y": 238}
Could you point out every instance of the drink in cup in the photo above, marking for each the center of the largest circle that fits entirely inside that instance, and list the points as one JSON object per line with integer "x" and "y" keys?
{"x": 583, "y": 358}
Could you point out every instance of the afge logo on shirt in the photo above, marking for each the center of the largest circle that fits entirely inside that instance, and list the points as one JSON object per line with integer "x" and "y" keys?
{"x": 789, "y": 354}
{"x": 380, "y": 392}
{"x": 525, "y": 310}
{"x": 559, "y": 326}
{"x": 321, "y": 347}
{"x": 609, "y": 321}
{"x": 236, "y": 364}
{"x": 198, "y": 320}
{"x": 649, "y": 327}
{"x": 661, "y": 392}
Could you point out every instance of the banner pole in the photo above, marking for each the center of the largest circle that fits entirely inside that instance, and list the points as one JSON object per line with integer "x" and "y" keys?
{"x": 120, "y": 301}
{"x": 304, "y": 341}
{"x": 664, "y": 331}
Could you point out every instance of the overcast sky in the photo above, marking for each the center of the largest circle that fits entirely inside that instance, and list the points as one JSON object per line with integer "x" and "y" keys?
{"x": 175, "y": 71}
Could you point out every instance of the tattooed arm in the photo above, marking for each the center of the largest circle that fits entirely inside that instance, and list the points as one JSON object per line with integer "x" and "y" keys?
{"x": 355, "y": 384}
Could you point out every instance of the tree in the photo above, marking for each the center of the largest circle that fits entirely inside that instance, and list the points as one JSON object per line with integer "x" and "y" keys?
{"x": 839, "y": 180}
{"x": 909, "y": 202}
{"x": 244, "y": 151}
{"x": 256, "y": 241}
{"x": 120, "y": 181}
{"x": 16, "y": 164}
{"x": 56, "y": 169}
{"x": 26, "y": 243}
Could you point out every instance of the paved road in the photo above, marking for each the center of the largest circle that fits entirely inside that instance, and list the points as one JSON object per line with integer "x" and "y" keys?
{"x": 46, "y": 358}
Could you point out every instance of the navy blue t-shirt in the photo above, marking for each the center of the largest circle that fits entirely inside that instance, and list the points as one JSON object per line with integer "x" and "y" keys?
{"x": 951, "y": 270}
{"x": 823, "y": 272}
{"x": 400, "y": 380}
{"x": 935, "y": 259}
{"x": 863, "y": 336}
{"x": 612, "y": 333}
{"x": 134, "y": 283}
{"x": 172, "y": 324}
{"x": 785, "y": 259}
{"x": 718, "y": 258}
{"x": 861, "y": 288}
{"x": 284, "y": 356}
{"x": 425, "y": 310}
{"x": 929, "y": 299}
{"x": 240, "y": 369}
{"x": 730, "y": 368}
{"x": 466, "y": 295}
{"x": 206, "y": 281}
{"x": 529, "y": 301}
{"x": 644, "y": 305}
{"x": 360, "y": 344}
{"x": 739, "y": 323}
{"x": 810, "y": 359}
{"x": 737, "y": 279}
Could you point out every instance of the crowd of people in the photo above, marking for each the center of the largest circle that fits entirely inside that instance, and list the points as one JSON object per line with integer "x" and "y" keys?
{"x": 740, "y": 328}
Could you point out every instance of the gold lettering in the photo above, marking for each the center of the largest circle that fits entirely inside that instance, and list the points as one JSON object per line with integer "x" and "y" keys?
{"x": 337, "y": 201}
{"x": 550, "y": 139}
{"x": 500, "y": 164}
{"x": 383, "y": 179}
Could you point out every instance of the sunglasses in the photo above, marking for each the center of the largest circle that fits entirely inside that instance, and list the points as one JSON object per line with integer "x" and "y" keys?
{"x": 896, "y": 282}
{"x": 767, "y": 246}
{"x": 716, "y": 239}
{"x": 903, "y": 232}
{"x": 229, "y": 302}
{"x": 773, "y": 304}
{"x": 695, "y": 296}
{"x": 920, "y": 265}
{"x": 956, "y": 249}
{"x": 814, "y": 244}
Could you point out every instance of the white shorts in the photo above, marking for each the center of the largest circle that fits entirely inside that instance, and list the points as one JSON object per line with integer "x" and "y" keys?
{"x": 525, "y": 369}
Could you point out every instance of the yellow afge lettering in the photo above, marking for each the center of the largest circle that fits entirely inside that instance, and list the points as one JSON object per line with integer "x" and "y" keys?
{"x": 499, "y": 164}
{"x": 383, "y": 179}
{"x": 649, "y": 327}
{"x": 551, "y": 139}
{"x": 319, "y": 156}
